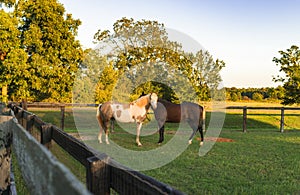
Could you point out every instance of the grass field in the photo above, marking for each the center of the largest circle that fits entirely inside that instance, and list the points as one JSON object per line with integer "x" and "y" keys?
{"x": 261, "y": 161}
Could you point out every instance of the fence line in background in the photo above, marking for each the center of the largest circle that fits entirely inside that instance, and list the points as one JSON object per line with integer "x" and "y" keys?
{"x": 245, "y": 109}
{"x": 102, "y": 172}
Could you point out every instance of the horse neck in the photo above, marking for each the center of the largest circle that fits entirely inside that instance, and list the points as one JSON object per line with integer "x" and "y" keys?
{"x": 143, "y": 102}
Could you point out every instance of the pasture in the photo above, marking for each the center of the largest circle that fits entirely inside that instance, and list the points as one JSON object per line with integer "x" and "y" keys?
{"x": 259, "y": 161}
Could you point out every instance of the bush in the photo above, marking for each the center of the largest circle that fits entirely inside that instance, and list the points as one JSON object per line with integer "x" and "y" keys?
{"x": 257, "y": 96}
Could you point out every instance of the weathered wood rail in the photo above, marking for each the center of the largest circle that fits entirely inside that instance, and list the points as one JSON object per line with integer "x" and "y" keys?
{"x": 41, "y": 171}
{"x": 245, "y": 111}
{"x": 102, "y": 172}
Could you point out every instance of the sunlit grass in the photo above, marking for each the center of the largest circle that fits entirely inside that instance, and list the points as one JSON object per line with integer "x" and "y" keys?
{"x": 261, "y": 161}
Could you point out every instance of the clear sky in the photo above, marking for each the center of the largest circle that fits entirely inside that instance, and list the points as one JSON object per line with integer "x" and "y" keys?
{"x": 246, "y": 34}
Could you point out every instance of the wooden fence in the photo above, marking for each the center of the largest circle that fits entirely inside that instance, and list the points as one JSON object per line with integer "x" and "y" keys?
{"x": 245, "y": 109}
{"x": 102, "y": 172}
{"x": 41, "y": 171}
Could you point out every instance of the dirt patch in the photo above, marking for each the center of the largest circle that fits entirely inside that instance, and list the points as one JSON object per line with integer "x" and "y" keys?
{"x": 216, "y": 139}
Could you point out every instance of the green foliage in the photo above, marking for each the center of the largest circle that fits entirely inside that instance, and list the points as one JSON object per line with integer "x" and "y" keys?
{"x": 143, "y": 46}
{"x": 257, "y": 96}
{"x": 106, "y": 84}
{"x": 14, "y": 70}
{"x": 39, "y": 40}
{"x": 88, "y": 76}
{"x": 289, "y": 63}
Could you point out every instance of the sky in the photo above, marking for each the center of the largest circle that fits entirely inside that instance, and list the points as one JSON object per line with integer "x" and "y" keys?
{"x": 245, "y": 34}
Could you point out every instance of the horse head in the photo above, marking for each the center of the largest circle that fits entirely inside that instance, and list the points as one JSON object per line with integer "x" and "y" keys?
{"x": 153, "y": 100}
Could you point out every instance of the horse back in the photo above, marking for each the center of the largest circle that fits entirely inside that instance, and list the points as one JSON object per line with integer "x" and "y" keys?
{"x": 192, "y": 110}
{"x": 167, "y": 111}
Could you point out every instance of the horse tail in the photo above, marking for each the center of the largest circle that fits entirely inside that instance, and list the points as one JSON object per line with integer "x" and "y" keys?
{"x": 100, "y": 117}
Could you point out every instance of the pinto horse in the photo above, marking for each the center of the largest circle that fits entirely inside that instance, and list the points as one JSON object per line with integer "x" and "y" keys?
{"x": 135, "y": 111}
{"x": 189, "y": 112}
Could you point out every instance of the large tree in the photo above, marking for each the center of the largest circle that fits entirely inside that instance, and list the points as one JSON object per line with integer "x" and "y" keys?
{"x": 289, "y": 63}
{"x": 146, "y": 43}
{"x": 13, "y": 67}
{"x": 47, "y": 35}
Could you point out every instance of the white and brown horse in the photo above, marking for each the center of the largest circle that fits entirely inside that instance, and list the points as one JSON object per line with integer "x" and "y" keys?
{"x": 135, "y": 111}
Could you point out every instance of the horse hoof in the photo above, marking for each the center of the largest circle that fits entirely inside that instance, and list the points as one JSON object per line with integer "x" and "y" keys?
{"x": 139, "y": 145}
{"x": 201, "y": 143}
{"x": 159, "y": 143}
{"x": 190, "y": 142}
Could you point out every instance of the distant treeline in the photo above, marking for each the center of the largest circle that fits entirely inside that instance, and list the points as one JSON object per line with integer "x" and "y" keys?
{"x": 257, "y": 94}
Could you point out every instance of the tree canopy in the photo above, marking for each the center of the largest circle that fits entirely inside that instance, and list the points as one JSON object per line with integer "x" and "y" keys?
{"x": 144, "y": 45}
{"x": 289, "y": 63}
{"x": 13, "y": 67}
{"x": 48, "y": 54}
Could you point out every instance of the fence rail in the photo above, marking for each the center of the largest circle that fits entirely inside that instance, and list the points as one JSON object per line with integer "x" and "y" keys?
{"x": 245, "y": 111}
{"x": 243, "y": 108}
{"x": 102, "y": 172}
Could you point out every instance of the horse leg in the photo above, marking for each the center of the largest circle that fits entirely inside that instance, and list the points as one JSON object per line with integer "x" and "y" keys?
{"x": 195, "y": 129}
{"x": 106, "y": 130}
{"x": 106, "y": 136}
{"x": 161, "y": 127}
{"x": 103, "y": 126}
{"x": 200, "y": 128}
{"x": 100, "y": 122}
{"x": 191, "y": 137}
{"x": 112, "y": 125}
{"x": 138, "y": 131}
{"x": 100, "y": 135}
{"x": 161, "y": 134}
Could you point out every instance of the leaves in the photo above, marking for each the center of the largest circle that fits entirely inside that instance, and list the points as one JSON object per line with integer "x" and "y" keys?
{"x": 289, "y": 63}
{"x": 143, "y": 45}
{"x": 40, "y": 56}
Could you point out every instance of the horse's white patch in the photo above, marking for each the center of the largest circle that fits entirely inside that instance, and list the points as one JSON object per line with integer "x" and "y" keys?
{"x": 122, "y": 115}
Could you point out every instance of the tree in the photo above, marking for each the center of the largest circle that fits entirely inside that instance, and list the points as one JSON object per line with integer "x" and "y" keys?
{"x": 14, "y": 70}
{"x": 289, "y": 63}
{"x": 145, "y": 43}
{"x": 47, "y": 35}
{"x": 257, "y": 96}
{"x": 106, "y": 84}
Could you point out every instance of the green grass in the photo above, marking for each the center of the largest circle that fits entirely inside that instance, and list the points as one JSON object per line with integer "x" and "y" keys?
{"x": 261, "y": 161}
{"x": 19, "y": 182}
{"x": 255, "y": 163}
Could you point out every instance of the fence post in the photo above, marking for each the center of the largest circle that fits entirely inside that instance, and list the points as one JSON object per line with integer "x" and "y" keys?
{"x": 98, "y": 174}
{"x": 282, "y": 120}
{"x": 29, "y": 123}
{"x": 19, "y": 115}
{"x": 245, "y": 119}
{"x": 62, "y": 121}
{"x": 46, "y": 135}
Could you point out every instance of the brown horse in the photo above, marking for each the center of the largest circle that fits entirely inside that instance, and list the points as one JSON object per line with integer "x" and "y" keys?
{"x": 189, "y": 112}
{"x": 135, "y": 111}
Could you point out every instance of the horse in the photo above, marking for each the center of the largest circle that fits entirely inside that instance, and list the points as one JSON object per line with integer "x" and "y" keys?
{"x": 135, "y": 111}
{"x": 189, "y": 112}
